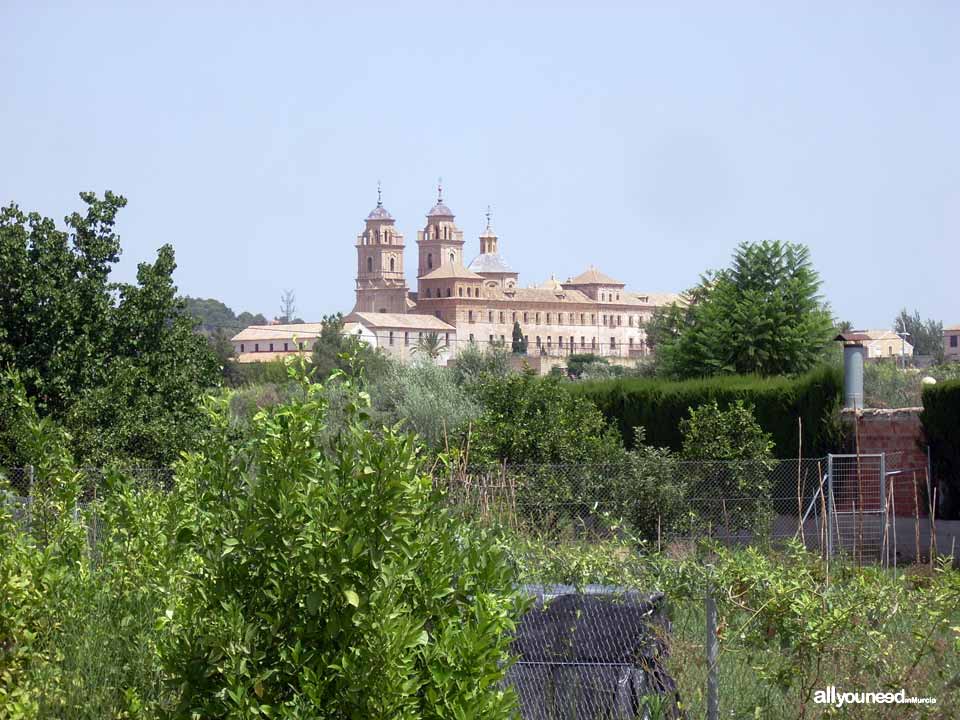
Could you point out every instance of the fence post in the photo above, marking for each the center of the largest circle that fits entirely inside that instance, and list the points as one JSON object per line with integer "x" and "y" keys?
{"x": 830, "y": 506}
{"x": 713, "y": 647}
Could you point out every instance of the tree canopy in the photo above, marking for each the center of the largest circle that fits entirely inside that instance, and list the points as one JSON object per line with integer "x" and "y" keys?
{"x": 763, "y": 315}
{"x": 117, "y": 364}
{"x": 926, "y": 336}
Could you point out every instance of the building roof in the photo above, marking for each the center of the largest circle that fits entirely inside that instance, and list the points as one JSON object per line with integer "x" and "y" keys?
{"x": 451, "y": 270}
{"x": 952, "y": 328}
{"x": 306, "y": 331}
{"x": 490, "y": 263}
{"x": 592, "y": 276}
{"x": 400, "y": 321}
{"x": 379, "y": 213}
{"x": 440, "y": 210}
{"x": 550, "y": 284}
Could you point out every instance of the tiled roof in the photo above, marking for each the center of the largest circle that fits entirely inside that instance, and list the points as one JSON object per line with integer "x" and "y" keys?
{"x": 592, "y": 276}
{"x": 379, "y": 213}
{"x": 451, "y": 270}
{"x": 306, "y": 331}
{"x": 440, "y": 210}
{"x": 411, "y": 321}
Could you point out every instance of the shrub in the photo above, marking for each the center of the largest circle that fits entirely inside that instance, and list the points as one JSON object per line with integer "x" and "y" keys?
{"x": 474, "y": 365}
{"x": 333, "y": 585}
{"x": 659, "y": 405}
{"x": 941, "y": 425}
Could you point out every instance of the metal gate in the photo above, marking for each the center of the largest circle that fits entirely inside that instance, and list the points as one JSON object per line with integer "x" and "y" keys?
{"x": 856, "y": 504}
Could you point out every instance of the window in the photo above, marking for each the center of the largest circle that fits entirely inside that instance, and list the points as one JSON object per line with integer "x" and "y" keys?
{"x": 619, "y": 319}
{"x": 256, "y": 347}
{"x": 391, "y": 337}
{"x": 301, "y": 344}
{"x": 470, "y": 317}
{"x": 452, "y": 258}
{"x": 428, "y": 292}
{"x": 548, "y": 318}
{"x": 583, "y": 341}
{"x": 406, "y": 338}
{"x": 603, "y": 319}
{"x": 429, "y": 260}
{"x": 285, "y": 346}
{"x": 513, "y": 317}
{"x": 369, "y": 264}
{"x": 582, "y": 317}
{"x": 953, "y": 340}
{"x": 490, "y": 317}
{"x": 501, "y": 317}
{"x": 571, "y": 342}
{"x": 241, "y": 347}
{"x": 618, "y": 296}
{"x": 446, "y": 338}
{"x": 538, "y": 318}
{"x": 461, "y": 292}
{"x": 613, "y": 343}
{"x": 593, "y": 319}
{"x": 549, "y": 342}
{"x": 491, "y": 339}
{"x": 560, "y": 341}
{"x": 525, "y": 318}
{"x": 271, "y": 347}
{"x": 593, "y": 343}
{"x": 538, "y": 341}
{"x": 630, "y": 321}
{"x": 631, "y": 343}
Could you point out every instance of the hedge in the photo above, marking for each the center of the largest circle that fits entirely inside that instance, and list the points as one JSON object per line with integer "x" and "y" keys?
{"x": 658, "y": 406}
{"x": 941, "y": 425}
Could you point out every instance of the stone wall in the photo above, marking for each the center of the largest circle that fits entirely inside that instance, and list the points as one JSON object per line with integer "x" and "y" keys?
{"x": 899, "y": 434}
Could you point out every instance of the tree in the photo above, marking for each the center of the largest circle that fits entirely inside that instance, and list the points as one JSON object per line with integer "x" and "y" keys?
{"x": 117, "y": 364}
{"x": 335, "y": 350}
{"x": 333, "y": 583}
{"x": 763, "y": 315}
{"x": 519, "y": 344}
{"x": 926, "y": 336}
{"x": 429, "y": 346}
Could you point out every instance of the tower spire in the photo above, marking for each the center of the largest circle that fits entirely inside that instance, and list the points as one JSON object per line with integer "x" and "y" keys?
{"x": 439, "y": 190}
{"x": 488, "y": 217}
{"x": 379, "y": 195}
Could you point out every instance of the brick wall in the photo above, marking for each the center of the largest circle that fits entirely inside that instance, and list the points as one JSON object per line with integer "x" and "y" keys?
{"x": 899, "y": 434}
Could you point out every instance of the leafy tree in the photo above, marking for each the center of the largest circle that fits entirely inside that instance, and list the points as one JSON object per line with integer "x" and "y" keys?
{"x": 212, "y": 316}
{"x": 117, "y": 364}
{"x": 430, "y": 346}
{"x": 527, "y": 420}
{"x": 763, "y": 315}
{"x": 577, "y": 362}
{"x": 475, "y": 365}
{"x": 926, "y": 336}
{"x": 334, "y": 349}
{"x": 334, "y": 584}
{"x": 519, "y": 343}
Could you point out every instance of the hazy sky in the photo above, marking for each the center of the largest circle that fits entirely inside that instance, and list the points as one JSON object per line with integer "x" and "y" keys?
{"x": 646, "y": 139}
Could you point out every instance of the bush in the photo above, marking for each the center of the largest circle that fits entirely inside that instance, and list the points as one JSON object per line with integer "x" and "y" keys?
{"x": 333, "y": 584}
{"x": 659, "y": 405}
{"x": 941, "y": 425}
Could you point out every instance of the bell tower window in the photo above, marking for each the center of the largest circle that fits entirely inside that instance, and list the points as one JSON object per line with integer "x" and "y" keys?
{"x": 452, "y": 258}
{"x": 369, "y": 264}
{"x": 429, "y": 260}
{"x": 391, "y": 264}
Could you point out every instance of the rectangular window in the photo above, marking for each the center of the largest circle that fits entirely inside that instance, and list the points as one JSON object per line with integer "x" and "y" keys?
{"x": 271, "y": 347}
{"x": 301, "y": 346}
{"x": 491, "y": 339}
{"x": 446, "y": 338}
{"x": 603, "y": 319}
{"x": 406, "y": 338}
{"x": 502, "y": 339}
{"x": 501, "y": 318}
{"x": 548, "y": 318}
{"x": 582, "y": 319}
{"x": 619, "y": 319}
{"x": 525, "y": 318}
{"x": 285, "y": 346}
{"x": 560, "y": 340}
{"x": 241, "y": 347}
{"x": 490, "y": 316}
{"x": 538, "y": 318}
{"x": 391, "y": 337}
{"x": 613, "y": 343}
{"x": 256, "y": 347}
{"x": 513, "y": 317}
{"x": 470, "y": 317}
{"x": 953, "y": 340}
{"x": 538, "y": 341}
{"x": 583, "y": 341}
{"x": 593, "y": 319}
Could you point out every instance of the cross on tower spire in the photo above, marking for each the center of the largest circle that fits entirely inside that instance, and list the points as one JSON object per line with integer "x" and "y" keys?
{"x": 439, "y": 190}
{"x": 379, "y": 195}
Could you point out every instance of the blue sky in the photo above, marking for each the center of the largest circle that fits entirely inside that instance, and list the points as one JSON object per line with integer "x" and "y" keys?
{"x": 647, "y": 139}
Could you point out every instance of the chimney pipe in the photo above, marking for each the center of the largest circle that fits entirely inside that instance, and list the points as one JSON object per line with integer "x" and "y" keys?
{"x": 853, "y": 375}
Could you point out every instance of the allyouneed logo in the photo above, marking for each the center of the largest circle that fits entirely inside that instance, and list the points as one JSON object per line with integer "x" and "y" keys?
{"x": 832, "y": 696}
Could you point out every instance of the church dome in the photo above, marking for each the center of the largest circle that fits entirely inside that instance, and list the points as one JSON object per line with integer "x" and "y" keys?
{"x": 379, "y": 213}
{"x": 440, "y": 210}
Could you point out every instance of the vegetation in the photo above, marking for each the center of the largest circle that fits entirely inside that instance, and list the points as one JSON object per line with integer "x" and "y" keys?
{"x": 659, "y": 405}
{"x": 116, "y": 364}
{"x": 941, "y": 418}
{"x": 926, "y": 336}
{"x": 885, "y": 385}
{"x": 518, "y": 344}
{"x": 763, "y": 316}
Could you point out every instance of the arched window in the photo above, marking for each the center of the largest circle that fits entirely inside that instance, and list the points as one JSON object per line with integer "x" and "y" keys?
{"x": 448, "y": 292}
{"x": 428, "y": 292}
{"x": 461, "y": 292}
{"x": 452, "y": 258}
{"x": 429, "y": 260}
{"x": 391, "y": 264}
{"x": 369, "y": 264}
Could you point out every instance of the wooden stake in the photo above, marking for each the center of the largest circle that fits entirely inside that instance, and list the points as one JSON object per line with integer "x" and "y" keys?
{"x": 803, "y": 537}
{"x": 916, "y": 516}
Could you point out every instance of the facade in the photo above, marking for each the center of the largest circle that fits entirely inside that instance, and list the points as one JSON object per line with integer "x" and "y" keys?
{"x": 951, "y": 342}
{"x": 884, "y": 344}
{"x": 482, "y": 300}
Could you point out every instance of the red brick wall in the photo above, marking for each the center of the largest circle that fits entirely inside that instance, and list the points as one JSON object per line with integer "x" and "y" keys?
{"x": 899, "y": 434}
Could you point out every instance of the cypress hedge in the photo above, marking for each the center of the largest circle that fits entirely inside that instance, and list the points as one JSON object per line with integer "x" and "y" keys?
{"x": 658, "y": 405}
{"x": 941, "y": 425}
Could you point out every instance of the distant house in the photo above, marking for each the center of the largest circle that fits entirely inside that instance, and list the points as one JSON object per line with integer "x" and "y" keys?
{"x": 883, "y": 343}
{"x": 261, "y": 343}
{"x": 398, "y": 334}
{"x": 951, "y": 342}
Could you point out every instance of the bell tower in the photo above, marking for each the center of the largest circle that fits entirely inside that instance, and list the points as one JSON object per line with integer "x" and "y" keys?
{"x": 440, "y": 241}
{"x": 381, "y": 285}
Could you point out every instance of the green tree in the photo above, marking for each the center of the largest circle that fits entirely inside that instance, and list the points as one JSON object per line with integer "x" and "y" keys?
{"x": 763, "y": 315}
{"x": 117, "y": 364}
{"x": 334, "y": 584}
{"x": 519, "y": 343}
{"x": 429, "y": 346}
{"x": 926, "y": 336}
{"x": 335, "y": 350}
